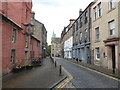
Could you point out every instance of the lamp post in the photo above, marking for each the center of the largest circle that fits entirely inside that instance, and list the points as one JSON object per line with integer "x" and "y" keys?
{"x": 44, "y": 52}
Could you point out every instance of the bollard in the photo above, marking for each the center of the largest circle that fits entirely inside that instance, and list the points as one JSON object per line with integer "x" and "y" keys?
{"x": 55, "y": 64}
{"x": 113, "y": 70}
{"x": 60, "y": 70}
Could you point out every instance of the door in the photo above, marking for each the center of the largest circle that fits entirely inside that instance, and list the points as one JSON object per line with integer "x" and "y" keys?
{"x": 113, "y": 58}
{"x": 88, "y": 55}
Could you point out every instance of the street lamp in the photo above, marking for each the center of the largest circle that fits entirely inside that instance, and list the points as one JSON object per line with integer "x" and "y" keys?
{"x": 44, "y": 51}
{"x": 44, "y": 48}
{"x": 29, "y": 30}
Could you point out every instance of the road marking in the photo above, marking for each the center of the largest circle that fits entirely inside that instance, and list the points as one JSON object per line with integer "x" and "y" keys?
{"x": 66, "y": 81}
{"x": 96, "y": 71}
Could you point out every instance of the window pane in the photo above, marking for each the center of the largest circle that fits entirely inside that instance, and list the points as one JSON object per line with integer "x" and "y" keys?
{"x": 99, "y": 10}
{"x": 13, "y": 35}
{"x": 111, "y": 4}
{"x": 80, "y": 36}
{"x": 112, "y": 27}
{"x": 95, "y": 13}
{"x": 12, "y": 60}
{"x": 97, "y": 53}
{"x": 97, "y": 33}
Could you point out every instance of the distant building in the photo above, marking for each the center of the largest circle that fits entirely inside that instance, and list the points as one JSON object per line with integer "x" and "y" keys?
{"x": 67, "y": 40}
{"x": 62, "y": 42}
{"x": 55, "y": 46}
{"x": 41, "y": 34}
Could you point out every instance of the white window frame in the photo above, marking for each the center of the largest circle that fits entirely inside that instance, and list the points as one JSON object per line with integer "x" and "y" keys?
{"x": 97, "y": 34}
{"x": 111, "y": 4}
{"x": 111, "y": 29}
{"x": 86, "y": 32}
{"x": 13, "y": 35}
{"x": 95, "y": 13}
{"x": 97, "y": 50}
{"x": 12, "y": 58}
{"x": 80, "y": 35}
{"x": 99, "y": 10}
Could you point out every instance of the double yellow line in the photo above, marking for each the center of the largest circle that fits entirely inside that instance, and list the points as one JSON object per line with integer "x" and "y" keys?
{"x": 97, "y": 72}
{"x": 66, "y": 81}
{"x": 70, "y": 77}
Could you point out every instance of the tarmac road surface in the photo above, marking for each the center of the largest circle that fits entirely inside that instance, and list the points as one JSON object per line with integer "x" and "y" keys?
{"x": 83, "y": 78}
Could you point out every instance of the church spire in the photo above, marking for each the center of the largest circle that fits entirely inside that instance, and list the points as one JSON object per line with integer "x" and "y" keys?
{"x": 53, "y": 35}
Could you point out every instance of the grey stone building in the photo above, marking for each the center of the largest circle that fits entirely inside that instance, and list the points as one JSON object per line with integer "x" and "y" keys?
{"x": 81, "y": 36}
{"x": 41, "y": 34}
{"x": 67, "y": 40}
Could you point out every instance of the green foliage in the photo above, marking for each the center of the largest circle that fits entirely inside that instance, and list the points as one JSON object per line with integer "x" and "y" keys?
{"x": 49, "y": 50}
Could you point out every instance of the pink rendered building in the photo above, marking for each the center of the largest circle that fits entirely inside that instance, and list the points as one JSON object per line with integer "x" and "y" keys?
{"x": 18, "y": 47}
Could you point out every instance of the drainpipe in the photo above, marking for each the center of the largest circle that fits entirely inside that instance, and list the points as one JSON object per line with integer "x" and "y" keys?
{"x": 6, "y": 8}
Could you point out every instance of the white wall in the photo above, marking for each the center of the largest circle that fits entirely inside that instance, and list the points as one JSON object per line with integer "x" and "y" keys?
{"x": 68, "y": 48}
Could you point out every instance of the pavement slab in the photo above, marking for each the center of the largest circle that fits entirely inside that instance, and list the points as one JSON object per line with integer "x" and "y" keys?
{"x": 39, "y": 77}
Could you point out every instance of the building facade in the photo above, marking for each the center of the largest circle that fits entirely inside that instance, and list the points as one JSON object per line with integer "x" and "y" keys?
{"x": 63, "y": 41}
{"x": 81, "y": 36}
{"x": 55, "y": 46}
{"x": 41, "y": 34}
{"x": 68, "y": 40}
{"x": 16, "y": 38}
{"x": 68, "y": 48}
{"x": 105, "y": 33}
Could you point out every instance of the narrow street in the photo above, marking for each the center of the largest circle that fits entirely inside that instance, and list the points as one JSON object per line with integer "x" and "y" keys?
{"x": 83, "y": 78}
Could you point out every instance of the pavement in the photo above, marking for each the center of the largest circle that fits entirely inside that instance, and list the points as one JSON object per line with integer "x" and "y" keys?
{"x": 97, "y": 68}
{"x": 44, "y": 76}
{"x": 83, "y": 77}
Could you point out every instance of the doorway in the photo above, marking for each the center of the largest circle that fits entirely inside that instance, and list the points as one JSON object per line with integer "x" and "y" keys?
{"x": 113, "y": 58}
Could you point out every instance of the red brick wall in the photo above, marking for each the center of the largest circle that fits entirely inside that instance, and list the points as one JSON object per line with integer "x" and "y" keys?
{"x": 17, "y": 13}
{"x": 19, "y": 46}
{"x": 35, "y": 47}
{"x": 6, "y": 46}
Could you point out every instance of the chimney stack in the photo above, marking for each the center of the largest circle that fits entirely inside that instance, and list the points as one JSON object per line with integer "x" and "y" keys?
{"x": 33, "y": 15}
{"x": 72, "y": 21}
{"x": 80, "y": 11}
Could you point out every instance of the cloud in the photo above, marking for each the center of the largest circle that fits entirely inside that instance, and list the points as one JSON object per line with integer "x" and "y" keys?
{"x": 51, "y": 3}
{"x": 55, "y": 14}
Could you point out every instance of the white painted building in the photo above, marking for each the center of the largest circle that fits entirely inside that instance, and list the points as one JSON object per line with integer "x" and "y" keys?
{"x": 68, "y": 48}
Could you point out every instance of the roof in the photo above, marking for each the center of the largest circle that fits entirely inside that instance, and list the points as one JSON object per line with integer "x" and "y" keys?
{"x": 40, "y": 23}
{"x": 8, "y": 20}
{"x": 35, "y": 38}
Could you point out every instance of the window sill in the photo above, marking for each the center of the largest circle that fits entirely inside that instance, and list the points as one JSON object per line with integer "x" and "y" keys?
{"x": 112, "y": 36}
{"x": 96, "y": 41}
{"x": 111, "y": 10}
{"x": 13, "y": 42}
{"x": 97, "y": 59}
{"x": 97, "y": 18}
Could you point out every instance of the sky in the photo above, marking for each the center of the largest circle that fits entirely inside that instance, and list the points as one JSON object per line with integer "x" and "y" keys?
{"x": 55, "y": 14}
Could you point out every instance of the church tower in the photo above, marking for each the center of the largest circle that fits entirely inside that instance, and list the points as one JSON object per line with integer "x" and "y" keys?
{"x": 53, "y": 35}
